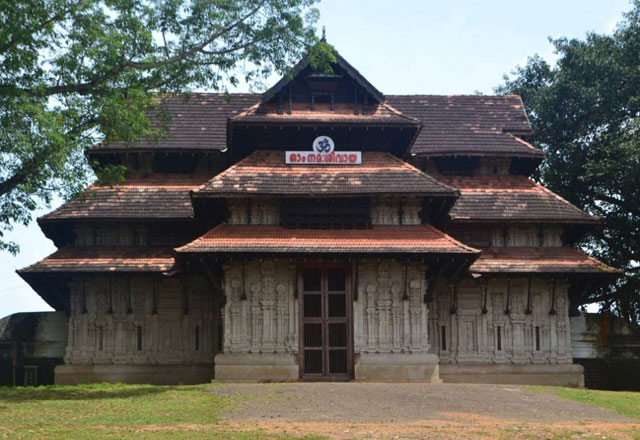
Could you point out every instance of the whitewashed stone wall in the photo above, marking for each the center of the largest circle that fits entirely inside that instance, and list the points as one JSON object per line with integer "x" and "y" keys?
{"x": 471, "y": 336}
{"x": 261, "y": 314}
{"x": 385, "y": 320}
{"x": 107, "y": 311}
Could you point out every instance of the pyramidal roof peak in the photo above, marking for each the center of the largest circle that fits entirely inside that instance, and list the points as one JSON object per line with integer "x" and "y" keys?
{"x": 324, "y": 66}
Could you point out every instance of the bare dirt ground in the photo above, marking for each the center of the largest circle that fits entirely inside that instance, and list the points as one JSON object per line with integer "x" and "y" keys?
{"x": 417, "y": 411}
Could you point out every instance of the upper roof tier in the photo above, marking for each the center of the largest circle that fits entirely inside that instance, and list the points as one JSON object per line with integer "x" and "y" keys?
{"x": 324, "y": 113}
{"x": 473, "y": 125}
{"x": 339, "y": 99}
{"x": 196, "y": 122}
{"x": 265, "y": 172}
{"x": 154, "y": 197}
{"x": 451, "y": 125}
{"x": 510, "y": 198}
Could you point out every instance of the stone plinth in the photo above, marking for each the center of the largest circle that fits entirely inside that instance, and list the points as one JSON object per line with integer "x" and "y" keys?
{"x": 569, "y": 375}
{"x": 151, "y": 374}
{"x": 248, "y": 367}
{"x": 397, "y": 367}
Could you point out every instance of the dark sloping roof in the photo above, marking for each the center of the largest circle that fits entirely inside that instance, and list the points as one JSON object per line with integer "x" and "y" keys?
{"x": 104, "y": 259}
{"x": 157, "y": 197}
{"x": 424, "y": 239}
{"x": 510, "y": 198}
{"x": 453, "y": 125}
{"x": 265, "y": 172}
{"x": 198, "y": 122}
{"x": 373, "y": 114}
{"x": 304, "y": 62}
{"x": 468, "y": 124}
{"x": 538, "y": 260}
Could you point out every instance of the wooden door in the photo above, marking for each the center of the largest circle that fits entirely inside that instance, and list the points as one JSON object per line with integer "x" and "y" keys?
{"x": 326, "y": 326}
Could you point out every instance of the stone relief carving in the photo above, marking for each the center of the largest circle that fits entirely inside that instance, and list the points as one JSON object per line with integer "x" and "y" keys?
{"x": 499, "y": 337}
{"x": 389, "y": 322}
{"x": 108, "y": 332}
{"x": 263, "y": 322}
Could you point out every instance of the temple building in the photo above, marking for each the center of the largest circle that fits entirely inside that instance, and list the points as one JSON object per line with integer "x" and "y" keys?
{"x": 321, "y": 231}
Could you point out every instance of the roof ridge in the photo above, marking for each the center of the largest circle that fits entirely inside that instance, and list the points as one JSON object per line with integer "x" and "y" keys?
{"x": 234, "y": 166}
{"x": 246, "y": 111}
{"x": 399, "y": 113}
{"x": 562, "y": 199}
{"x": 453, "y": 240}
{"x": 445, "y": 95}
{"x": 523, "y": 142}
{"x": 201, "y": 237}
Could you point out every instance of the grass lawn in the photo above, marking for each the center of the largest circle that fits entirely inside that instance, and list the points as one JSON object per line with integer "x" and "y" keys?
{"x": 626, "y": 403}
{"x": 105, "y": 411}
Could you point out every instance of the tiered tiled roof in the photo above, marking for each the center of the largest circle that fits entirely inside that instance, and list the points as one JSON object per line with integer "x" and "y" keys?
{"x": 197, "y": 122}
{"x": 510, "y": 198}
{"x": 473, "y": 125}
{"x": 342, "y": 113}
{"x": 265, "y": 172}
{"x": 158, "y": 196}
{"x": 423, "y": 239}
{"x": 538, "y": 260}
{"x": 104, "y": 259}
{"x": 453, "y": 125}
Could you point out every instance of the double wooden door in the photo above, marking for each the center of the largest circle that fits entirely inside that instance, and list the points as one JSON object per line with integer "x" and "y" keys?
{"x": 326, "y": 326}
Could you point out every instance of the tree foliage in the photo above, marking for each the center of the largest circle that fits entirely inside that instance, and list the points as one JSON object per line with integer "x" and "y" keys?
{"x": 585, "y": 113}
{"x": 75, "y": 72}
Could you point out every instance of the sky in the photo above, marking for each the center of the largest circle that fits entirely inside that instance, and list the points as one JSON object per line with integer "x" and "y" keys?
{"x": 401, "y": 47}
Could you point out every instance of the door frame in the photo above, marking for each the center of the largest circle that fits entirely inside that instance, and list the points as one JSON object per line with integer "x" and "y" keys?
{"x": 348, "y": 268}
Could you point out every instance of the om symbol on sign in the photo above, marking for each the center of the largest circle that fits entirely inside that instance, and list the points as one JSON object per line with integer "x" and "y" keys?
{"x": 323, "y": 144}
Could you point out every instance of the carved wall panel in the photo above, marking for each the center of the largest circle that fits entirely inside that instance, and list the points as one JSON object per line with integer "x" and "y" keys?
{"x": 389, "y": 317}
{"x": 517, "y": 327}
{"x": 141, "y": 320}
{"x": 261, "y": 314}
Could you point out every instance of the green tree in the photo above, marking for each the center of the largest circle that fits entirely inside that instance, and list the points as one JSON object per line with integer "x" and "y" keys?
{"x": 76, "y": 72}
{"x": 585, "y": 114}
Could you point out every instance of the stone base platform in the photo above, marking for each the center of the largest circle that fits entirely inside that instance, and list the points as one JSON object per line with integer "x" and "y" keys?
{"x": 149, "y": 374}
{"x": 568, "y": 375}
{"x": 256, "y": 367}
{"x": 396, "y": 367}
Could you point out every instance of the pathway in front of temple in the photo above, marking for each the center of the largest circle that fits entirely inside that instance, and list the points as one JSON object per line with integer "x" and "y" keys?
{"x": 415, "y": 411}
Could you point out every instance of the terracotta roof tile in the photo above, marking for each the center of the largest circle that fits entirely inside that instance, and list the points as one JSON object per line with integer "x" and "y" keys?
{"x": 510, "y": 198}
{"x": 423, "y": 239}
{"x": 538, "y": 260}
{"x": 104, "y": 259}
{"x": 198, "y": 122}
{"x": 265, "y": 172}
{"x": 158, "y": 196}
{"x": 301, "y": 112}
{"x": 468, "y": 124}
{"x": 475, "y": 125}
